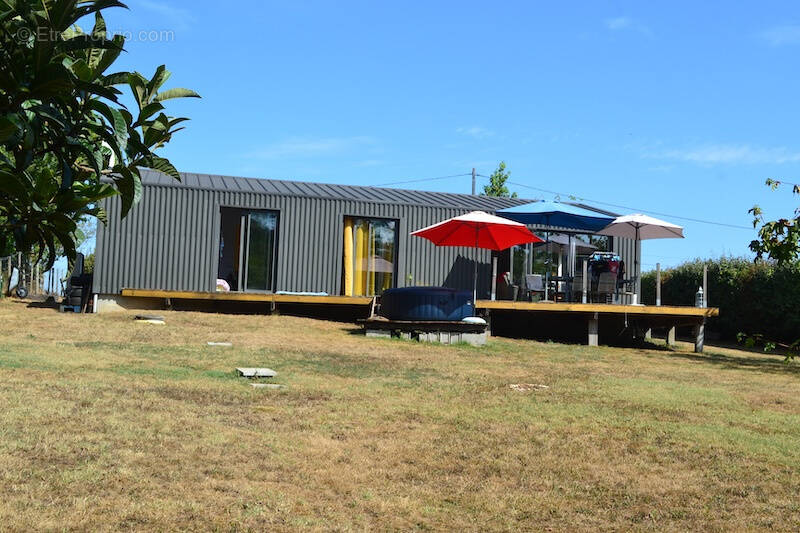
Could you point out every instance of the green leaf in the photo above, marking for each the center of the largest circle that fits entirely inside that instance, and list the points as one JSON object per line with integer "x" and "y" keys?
{"x": 158, "y": 79}
{"x": 148, "y": 111}
{"x": 107, "y": 57}
{"x": 87, "y": 42}
{"x": 130, "y": 187}
{"x": 99, "y": 29}
{"x": 138, "y": 85}
{"x": 162, "y": 165}
{"x": 15, "y": 185}
{"x": 117, "y": 78}
{"x": 8, "y": 128}
{"x": 178, "y": 92}
{"x": 82, "y": 70}
{"x": 116, "y": 119}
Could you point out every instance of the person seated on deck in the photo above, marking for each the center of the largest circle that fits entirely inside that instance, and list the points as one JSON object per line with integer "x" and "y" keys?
{"x": 505, "y": 289}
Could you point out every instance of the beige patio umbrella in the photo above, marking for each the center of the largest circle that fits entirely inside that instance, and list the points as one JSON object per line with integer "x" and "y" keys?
{"x": 640, "y": 227}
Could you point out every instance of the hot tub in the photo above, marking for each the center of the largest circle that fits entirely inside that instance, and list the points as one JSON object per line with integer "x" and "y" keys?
{"x": 426, "y": 303}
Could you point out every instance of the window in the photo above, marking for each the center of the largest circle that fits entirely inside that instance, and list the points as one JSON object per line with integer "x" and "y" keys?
{"x": 370, "y": 256}
{"x": 247, "y": 249}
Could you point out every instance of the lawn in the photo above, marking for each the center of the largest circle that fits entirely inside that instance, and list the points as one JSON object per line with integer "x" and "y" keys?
{"x": 110, "y": 424}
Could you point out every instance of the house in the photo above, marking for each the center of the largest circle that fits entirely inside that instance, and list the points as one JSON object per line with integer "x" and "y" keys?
{"x": 257, "y": 236}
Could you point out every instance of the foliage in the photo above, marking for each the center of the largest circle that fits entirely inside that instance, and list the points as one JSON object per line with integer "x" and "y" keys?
{"x": 497, "y": 183}
{"x": 88, "y": 263}
{"x": 66, "y": 140}
{"x": 777, "y": 239}
{"x": 752, "y": 297}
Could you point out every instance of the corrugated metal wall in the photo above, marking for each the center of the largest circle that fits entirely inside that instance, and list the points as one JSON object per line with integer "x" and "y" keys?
{"x": 170, "y": 241}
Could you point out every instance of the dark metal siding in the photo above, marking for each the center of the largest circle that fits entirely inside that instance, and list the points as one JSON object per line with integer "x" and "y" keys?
{"x": 170, "y": 241}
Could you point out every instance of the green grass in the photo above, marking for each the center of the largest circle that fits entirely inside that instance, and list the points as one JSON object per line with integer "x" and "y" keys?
{"x": 109, "y": 424}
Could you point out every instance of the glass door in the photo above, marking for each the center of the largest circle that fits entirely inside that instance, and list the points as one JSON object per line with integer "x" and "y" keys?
{"x": 370, "y": 250}
{"x": 260, "y": 249}
{"x": 247, "y": 250}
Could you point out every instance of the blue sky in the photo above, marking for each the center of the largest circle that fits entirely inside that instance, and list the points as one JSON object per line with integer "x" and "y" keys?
{"x": 683, "y": 108}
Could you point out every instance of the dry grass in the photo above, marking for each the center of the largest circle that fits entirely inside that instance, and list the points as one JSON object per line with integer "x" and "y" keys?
{"x": 109, "y": 424}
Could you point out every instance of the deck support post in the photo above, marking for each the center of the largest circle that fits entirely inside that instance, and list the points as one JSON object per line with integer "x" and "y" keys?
{"x": 593, "y": 330}
{"x": 489, "y": 331}
{"x": 671, "y": 336}
{"x": 168, "y": 303}
{"x": 699, "y": 336}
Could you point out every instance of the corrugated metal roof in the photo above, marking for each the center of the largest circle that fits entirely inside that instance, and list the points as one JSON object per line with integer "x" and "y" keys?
{"x": 361, "y": 193}
{"x": 327, "y": 190}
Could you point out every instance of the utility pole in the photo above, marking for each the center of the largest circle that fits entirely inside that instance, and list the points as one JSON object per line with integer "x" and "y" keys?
{"x": 473, "y": 182}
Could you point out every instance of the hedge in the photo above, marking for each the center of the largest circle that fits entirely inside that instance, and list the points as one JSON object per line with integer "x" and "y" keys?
{"x": 752, "y": 297}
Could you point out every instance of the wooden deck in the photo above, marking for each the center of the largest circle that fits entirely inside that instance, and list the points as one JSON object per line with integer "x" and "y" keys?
{"x": 642, "y": 318}
{"x": 564, "y": 307}
{"x": 249, "y": 297}
{"x": 580, "y": 316}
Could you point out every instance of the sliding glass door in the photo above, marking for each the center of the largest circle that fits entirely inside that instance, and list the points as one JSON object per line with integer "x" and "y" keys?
{"x": 370, "y": 251}
{"x": 247, "y": 250}
{"x": 261, "y": 228}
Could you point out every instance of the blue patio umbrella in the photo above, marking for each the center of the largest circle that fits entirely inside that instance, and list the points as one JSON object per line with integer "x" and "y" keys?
{"x": 550, "y": 213}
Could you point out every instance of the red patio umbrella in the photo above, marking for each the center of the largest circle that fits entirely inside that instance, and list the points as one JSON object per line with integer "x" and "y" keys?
{"x": 478, "y": 230}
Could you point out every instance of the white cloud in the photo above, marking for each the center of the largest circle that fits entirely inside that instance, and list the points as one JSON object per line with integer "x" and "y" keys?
{"x": 781, "y": 35}
{"x": 475, "y": 132}
{"x": 627, "y": 24}
{"x": 714, "y": 154}
{"x": 309, "y": 147}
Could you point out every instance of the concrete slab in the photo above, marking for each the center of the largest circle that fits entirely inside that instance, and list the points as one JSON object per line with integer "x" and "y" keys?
{"x": 256, "y": 372}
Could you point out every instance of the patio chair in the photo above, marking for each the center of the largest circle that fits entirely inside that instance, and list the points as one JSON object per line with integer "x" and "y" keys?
{"x": 534, "y": 283}
{"x": 576, "y": 287}
{"x": 505, "y": 289}
{"x": 606, "y": 287}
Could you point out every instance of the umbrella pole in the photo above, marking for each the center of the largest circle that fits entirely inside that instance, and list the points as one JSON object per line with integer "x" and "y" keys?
{"x": 475, "y": 272}
{"x": 546, "y": 264}
{"x": 636, "y": 265}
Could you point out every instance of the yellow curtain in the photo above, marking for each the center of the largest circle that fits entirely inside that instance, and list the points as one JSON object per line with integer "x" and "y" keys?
{"x": 348, "y": 256}
{"x": 361, "y": 248}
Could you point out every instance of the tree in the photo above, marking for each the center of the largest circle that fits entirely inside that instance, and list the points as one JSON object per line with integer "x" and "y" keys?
{"x": 777, "y": 239}
{"x": 497, "y": 183}
{"x": 66, "y": 140}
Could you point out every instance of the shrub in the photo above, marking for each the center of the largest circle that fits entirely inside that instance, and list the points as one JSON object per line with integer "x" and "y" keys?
{"x": 752, "y": 297}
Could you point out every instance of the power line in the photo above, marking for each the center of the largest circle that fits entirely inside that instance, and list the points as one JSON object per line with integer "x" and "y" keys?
{"x": 420, "y": 180}
{"x": 781, "y": 182}
{"x": 689, "y": 219}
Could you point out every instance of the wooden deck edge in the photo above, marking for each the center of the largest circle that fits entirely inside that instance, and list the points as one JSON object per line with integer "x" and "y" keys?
{"x": 248, "y": 297}
{"x": 664, "y": 310}
{"x": 496, "y": 305}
